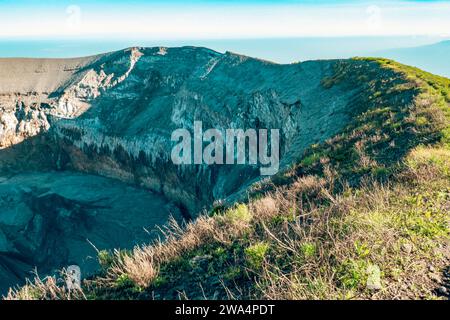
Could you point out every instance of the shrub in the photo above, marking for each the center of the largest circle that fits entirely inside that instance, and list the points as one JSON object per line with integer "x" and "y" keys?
{"x": 239, "y": 214}
{"x": 105, "y": 259}
{"x": 256, "y": 254}
{"x": 308, "y": 250}
{"x": 352, "y": 274}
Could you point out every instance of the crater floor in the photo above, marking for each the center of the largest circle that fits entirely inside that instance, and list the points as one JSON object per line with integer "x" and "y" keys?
{"x": 54, "y": 219}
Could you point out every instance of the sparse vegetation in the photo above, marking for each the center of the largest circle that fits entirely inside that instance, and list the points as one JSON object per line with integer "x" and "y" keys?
{"x": 364, "y": 215}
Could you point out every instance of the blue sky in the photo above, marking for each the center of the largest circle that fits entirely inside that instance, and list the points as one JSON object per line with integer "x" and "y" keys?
{"x": 282, "y": 31}
{"x": 200, "y": 19}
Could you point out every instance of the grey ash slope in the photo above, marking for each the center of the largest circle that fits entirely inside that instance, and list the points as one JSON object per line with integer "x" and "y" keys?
{"x": 23, "y": 75}
{"x": 112, "y": 115}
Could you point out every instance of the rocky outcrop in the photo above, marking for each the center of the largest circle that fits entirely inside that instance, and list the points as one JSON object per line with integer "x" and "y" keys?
{"x": 113, "y": 114}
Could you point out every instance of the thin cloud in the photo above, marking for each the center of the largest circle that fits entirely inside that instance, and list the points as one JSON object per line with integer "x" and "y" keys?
{"x": 220, "y": 19}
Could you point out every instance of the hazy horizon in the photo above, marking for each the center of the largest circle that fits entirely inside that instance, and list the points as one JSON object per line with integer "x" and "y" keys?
{"x": 283, "y": 31}
{"x": 279, "y": 50}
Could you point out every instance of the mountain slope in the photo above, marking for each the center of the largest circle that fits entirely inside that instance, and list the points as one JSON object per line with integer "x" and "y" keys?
{"x": 432, "y": 58}
{"x": 115, "y": 114}
{"x": 351, "y": 158}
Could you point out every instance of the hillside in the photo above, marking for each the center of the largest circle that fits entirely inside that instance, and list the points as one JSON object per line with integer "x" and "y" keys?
{"x": 359, "y": 208}
{"x": 432, "y": 58}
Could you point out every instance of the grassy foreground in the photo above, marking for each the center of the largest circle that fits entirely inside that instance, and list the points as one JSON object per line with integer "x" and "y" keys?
{"x": 364, "y": 215}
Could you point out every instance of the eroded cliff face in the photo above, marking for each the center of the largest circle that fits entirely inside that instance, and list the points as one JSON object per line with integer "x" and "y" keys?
{"x": 113, "y": 114}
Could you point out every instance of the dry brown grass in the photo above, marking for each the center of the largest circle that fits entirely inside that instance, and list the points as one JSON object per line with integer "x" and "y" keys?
{"x": 319, "y": 249}
{"x": 49, "y": 288}
{"x": 142, "y": 265}
{"x": 389, "y": 226}
{"x": 354, "y": 232}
